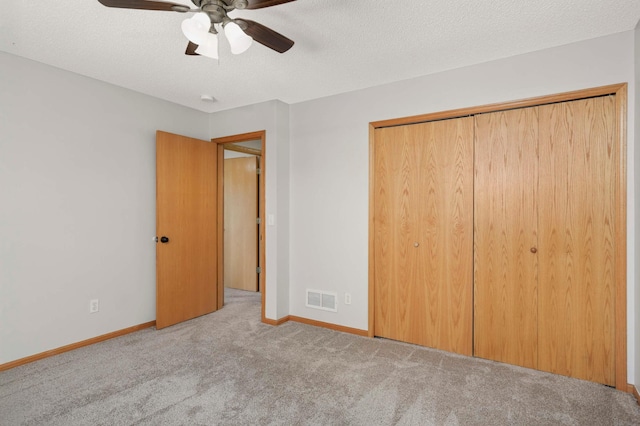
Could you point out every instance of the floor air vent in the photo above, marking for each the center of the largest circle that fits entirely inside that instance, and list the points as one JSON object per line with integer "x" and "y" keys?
{"x": 326, "y": 301}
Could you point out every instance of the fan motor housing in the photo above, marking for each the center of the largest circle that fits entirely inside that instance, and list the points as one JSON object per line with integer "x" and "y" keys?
{"x": 226, "y": 4}
{"x": 218, "y": 9}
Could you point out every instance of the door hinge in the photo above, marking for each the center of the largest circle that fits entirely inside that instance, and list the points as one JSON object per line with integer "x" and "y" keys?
{"x": 258, "y": 221}
{"x": 258, "y": 270}
{"x": 258, "y": 171}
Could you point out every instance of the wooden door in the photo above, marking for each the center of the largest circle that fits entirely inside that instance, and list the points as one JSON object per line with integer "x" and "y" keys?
{"x": 240, "y": 226}
{"x": 186, "y": 215}
{"x": 505, "y": 265}
{"x": 423, "y": 242}
{"x": 576, "y": 250}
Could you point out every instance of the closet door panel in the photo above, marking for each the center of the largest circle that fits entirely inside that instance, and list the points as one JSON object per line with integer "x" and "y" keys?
{"x": 424, "y": 241}
{"x": 505, "y": 266}
{"x": 577, "y": 196}
{"x": 394, "y": 225}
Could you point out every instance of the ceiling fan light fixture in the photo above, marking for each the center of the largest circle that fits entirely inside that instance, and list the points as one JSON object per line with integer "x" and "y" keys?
{"x": 209, "y": 47}
{"x": 238, "y": 40}
{"x": 197, "y": 28}
{"x": 210, "y": 17}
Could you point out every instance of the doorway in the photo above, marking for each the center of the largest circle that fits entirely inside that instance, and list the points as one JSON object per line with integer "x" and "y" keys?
{"x": 247, "y": 145}
{"x": 241, "y": 215}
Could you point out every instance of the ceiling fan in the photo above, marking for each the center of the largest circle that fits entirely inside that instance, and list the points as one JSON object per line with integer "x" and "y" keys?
{"x": 201, "y": 28}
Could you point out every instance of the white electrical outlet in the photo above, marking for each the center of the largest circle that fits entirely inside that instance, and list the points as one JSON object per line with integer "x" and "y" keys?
{"x": 94, "y": 306}
{"x": 347, "y": 298}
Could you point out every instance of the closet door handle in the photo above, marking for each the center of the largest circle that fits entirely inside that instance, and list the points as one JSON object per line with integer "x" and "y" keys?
{"x": 534, "y": 250}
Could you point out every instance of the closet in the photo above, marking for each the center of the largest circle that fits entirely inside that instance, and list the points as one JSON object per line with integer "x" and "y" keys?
{"x": 498, "y": 234}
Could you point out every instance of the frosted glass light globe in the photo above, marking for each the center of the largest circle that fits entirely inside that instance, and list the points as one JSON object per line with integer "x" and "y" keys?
{"x": 238, "y": 40}
{"x": 196, "y": 28}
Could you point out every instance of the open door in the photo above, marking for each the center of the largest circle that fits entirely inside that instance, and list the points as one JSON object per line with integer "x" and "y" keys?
{"x": 186, "y": 228}
{"x": 240, "y": 223}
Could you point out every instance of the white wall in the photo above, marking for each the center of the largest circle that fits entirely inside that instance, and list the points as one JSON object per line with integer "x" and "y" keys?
{"x": 330, "y": 159}
{"x": 77, "y": 204}
{"x": 273, "y": 117}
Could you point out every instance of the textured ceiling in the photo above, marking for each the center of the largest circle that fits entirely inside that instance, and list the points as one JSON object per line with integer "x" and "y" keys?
{"x": 341, "y": 45}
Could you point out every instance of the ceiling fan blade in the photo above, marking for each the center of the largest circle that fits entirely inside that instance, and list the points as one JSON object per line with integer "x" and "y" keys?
{"x": 145, "y": 4}
{"x": 258, "y": 4}
{"x": 266, "y": 36}
{"x": 191, "y": 49}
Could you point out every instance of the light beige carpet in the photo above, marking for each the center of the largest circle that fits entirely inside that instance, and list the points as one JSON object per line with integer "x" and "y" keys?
{"x": 228, "y": 368}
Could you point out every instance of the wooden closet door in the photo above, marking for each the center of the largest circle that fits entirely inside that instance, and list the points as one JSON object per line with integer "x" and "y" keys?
{"x": 505, "y": 275}
{"x": 577, "y": 214}
{"x": 423, "y": 242}
{"x": 240, "y": 226}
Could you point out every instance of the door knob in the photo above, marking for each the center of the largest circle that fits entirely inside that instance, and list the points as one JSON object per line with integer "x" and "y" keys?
{"x": 164, "y": 239}
{"x": 534, "y": 250}
{"x": 416, "y": 244}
